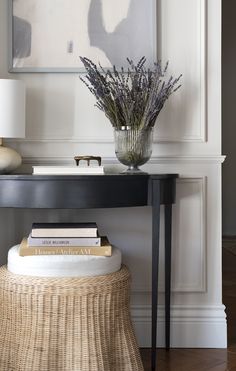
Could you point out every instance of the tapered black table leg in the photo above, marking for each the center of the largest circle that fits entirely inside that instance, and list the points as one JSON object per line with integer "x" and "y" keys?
{"x": 155, "y": 264}
{"x": 168, "y": 216}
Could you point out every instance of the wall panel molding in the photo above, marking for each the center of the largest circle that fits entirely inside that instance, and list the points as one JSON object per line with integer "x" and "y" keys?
{"x": 202, "y": 326}
{"x": 189, "y": 239}
{"x": 113, "y": 160}
{"x": 170, "y": 41}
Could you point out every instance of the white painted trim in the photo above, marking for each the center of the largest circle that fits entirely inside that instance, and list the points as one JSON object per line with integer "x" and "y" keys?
{"x": 181, "y": 312}
{"x": 90, "y": 139}
{"x": 113, "y": 160}
{"x": 201, "y": 285}
{"x": 108, "y": 139}
{"x": 191, "y": 326}
{"x": 185, "y": 139}
{"x": 203, "y": 124}
{"x": 188, "y": 159}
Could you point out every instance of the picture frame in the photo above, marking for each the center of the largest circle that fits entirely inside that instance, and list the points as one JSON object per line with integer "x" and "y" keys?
{"x": 51, "y": 35}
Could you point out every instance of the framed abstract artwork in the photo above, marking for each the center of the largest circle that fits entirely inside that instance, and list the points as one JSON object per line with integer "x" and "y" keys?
{"x": 51, "y": 35}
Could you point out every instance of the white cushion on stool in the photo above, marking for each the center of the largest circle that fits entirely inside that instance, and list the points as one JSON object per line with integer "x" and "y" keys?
{"x": 63, "y": 265}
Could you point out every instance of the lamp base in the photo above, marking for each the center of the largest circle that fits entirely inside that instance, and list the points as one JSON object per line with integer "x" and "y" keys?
{"x": 9, "y": 160}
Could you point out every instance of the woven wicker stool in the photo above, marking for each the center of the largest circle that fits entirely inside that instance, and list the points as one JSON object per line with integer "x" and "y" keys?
{"x": 66, "y": 324}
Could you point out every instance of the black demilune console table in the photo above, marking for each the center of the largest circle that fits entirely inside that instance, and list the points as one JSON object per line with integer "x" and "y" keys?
{"x": 102, "y": 191}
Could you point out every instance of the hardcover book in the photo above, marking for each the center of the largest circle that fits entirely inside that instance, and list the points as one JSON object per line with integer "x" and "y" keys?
{"x": 104, "y": 250}
{"x": 55, "y": 230}
{"x": 68, "y": 170}
{"x": 63, "y": 241}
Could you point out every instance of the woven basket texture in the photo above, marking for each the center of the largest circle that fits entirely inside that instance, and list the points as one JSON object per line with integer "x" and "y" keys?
{"x": 67, "y": 324}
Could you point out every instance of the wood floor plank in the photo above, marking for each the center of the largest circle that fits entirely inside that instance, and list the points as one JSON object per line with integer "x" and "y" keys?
{"x": 206, "y": 359}
{"x": 188, "y": 359}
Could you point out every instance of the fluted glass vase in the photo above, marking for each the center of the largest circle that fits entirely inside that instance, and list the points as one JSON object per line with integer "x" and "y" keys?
{"x": 133, "y": 147}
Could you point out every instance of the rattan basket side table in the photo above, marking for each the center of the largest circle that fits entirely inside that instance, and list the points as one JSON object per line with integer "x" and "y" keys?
{"x": 67, "y": 324}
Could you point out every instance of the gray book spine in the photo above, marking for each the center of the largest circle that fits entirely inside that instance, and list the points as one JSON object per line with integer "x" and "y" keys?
{"x": 83, "y": 241}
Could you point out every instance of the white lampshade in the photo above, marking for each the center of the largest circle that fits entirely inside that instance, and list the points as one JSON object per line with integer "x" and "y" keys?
{"x": 12, "y": 109}
{"x": 12, "y": 121}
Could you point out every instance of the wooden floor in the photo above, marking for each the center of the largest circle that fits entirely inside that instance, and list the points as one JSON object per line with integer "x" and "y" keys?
{"x": 206, "y": 359}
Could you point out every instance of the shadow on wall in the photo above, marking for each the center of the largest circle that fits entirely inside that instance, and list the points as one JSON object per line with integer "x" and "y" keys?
{"x": 130, "y": 37}
{"x": 22, "y": 38}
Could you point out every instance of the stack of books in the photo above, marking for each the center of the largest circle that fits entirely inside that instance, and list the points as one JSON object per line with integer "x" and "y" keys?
{"x": 65, "y": 239}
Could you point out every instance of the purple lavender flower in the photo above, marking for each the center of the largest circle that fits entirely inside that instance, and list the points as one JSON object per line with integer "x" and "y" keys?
{"x": 133, "y": 98}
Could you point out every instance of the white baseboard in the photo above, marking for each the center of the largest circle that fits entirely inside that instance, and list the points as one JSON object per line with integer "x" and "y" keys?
{"x": 191, "y": 326}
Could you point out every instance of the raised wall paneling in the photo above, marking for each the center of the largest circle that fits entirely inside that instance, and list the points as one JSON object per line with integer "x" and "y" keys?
{"x": 189, "y": 238}
{"x": 183, "y": 44}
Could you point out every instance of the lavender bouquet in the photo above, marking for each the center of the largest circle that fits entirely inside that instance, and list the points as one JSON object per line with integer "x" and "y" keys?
{"x": 133, "y": 98}
{"x": 132, "y": 101}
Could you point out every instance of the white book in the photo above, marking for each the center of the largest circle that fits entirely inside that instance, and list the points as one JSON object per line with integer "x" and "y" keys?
{"x": 64, "y": 230}
{"x": 68, "y": 170}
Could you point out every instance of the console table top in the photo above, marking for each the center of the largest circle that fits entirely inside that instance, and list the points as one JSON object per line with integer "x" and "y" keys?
{"x": 84, "y": 176}
{"x": 83, "y": 191}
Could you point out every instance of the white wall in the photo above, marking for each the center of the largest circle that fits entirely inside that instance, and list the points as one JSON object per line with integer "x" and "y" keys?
{"x": 62, "y": 122}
